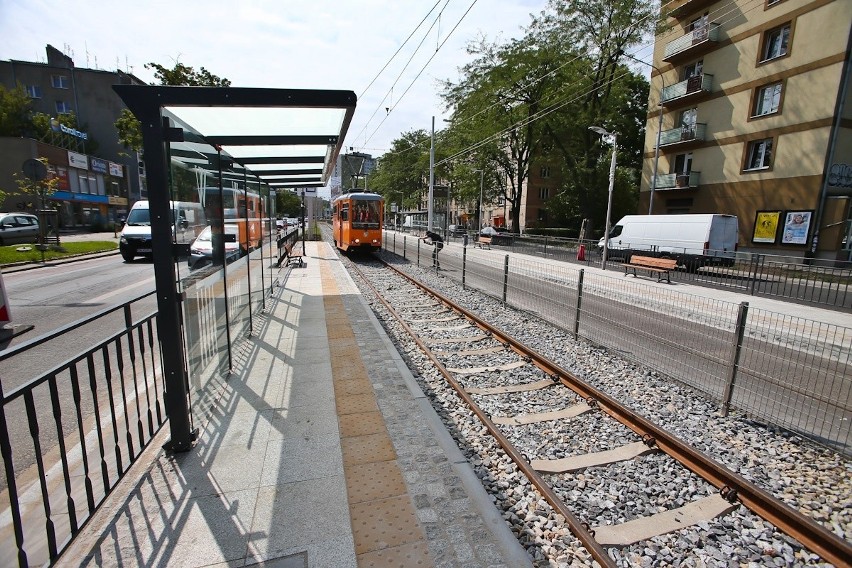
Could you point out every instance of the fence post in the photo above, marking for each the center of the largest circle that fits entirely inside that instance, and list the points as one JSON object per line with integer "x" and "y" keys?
{"x": 464, "y": 264}
{"x": 545, "y": 245}
{"x": 404, "y": 244}
{"x": 752, "y": 272}
{"x": 418, "y": 252}
{"x": 579, "y": 303}
{"x": 735, "y": 357}
{"x": 505, "y": 277}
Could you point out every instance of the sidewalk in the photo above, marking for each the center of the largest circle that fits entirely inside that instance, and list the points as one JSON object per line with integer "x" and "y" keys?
{"x": 320, "y": 452}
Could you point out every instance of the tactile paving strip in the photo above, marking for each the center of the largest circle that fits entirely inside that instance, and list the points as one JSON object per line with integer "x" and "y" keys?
{"x": 385, "y": 528}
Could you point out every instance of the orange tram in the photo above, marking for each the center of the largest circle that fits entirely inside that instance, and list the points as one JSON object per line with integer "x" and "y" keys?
{"x": 357, "y": 221}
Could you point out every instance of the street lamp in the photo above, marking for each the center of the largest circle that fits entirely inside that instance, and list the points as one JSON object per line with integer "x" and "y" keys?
{"x": 479, "y": 212}
{"x": 614, "y": 136}
{"x": 659, "y": 129}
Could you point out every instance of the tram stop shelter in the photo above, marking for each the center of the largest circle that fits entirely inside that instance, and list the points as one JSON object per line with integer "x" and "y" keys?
{"x": 266, "y": 139}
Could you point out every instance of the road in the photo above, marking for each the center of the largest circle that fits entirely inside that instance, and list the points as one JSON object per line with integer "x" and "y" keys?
{"x": 53, "y": 296}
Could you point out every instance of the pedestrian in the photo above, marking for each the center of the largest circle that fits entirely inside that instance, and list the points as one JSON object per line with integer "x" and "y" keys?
{"x": 437, "y": 243}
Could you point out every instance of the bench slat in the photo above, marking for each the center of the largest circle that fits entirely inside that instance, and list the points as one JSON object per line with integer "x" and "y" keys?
{"x": 651, "y": 264}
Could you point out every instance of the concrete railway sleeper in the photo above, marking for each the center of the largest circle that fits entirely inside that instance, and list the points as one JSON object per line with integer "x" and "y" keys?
{"x": 536, "y": 411}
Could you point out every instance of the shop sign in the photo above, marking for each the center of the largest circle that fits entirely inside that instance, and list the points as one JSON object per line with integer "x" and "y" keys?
{"x": 116, "y": 170}
{"x": 78, "y": 160}
{"x": 115, "y": 200}
{"x": 99, "y": 165}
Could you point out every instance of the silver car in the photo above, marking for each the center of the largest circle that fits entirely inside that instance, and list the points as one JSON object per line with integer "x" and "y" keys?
{"x": 18, "y": 228}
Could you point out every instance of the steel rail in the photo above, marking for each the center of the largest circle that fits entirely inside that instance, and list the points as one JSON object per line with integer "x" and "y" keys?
{"x": 808, "y": 532}
{"x": 578, "y": 527}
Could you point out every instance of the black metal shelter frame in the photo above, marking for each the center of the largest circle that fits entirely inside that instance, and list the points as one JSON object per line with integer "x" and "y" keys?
{"x": 283, "y": 138}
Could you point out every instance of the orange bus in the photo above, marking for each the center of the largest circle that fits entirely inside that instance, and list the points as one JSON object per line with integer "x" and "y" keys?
{"x": 238, "y": 207}
{"x": 357, "y": 221}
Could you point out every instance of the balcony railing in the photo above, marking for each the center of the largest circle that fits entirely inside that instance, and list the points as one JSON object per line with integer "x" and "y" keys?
{"x": 678, "y": 181}
{"x": 692, "y": 87}
{"x": 696, "y": 40}
{"x": 692, "y": 133}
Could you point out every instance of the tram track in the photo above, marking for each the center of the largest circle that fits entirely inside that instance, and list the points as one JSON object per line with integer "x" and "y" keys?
{"x": 462, "y": 342}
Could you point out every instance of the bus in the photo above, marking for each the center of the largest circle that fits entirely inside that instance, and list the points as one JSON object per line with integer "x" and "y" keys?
{"x": 236, "y": 207}
{"x": 357, "y": 221}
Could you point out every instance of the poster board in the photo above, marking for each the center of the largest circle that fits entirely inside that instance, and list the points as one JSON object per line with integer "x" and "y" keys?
{"x": 766, "y": 227}
{"x": 797, "y": 224}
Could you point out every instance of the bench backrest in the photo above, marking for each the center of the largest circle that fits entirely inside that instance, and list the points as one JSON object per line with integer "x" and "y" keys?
{"x": 485, "y": 240}
{"x": 653, "y": 262}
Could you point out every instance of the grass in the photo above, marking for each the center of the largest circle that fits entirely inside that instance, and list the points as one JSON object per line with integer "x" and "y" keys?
{"x": 12, "y": 255}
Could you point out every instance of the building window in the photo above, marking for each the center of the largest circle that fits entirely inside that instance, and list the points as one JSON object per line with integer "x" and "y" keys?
{"x": 59, "y": 81}
{"x": 767, "y": 100}
{"x": 62, "y": 107}
{"x": 776, "y": 43}
{"x": 759, "y": 156}
{"x": 543, "y": 193}
{"x": 544, "y": 172}
{"x": 693, "y": 69}
{"x": 33, "y": 91}
{"x": 88, "y": 183}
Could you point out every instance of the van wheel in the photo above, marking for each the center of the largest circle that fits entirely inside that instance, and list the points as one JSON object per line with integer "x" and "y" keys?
{"x": 127, "y": 256}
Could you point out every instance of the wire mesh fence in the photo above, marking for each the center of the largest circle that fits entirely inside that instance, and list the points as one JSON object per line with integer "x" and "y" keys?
{"x": 791, "y": 372}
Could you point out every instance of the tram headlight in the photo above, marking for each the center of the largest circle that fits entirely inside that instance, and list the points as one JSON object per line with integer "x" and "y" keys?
{"x": 357, "y": 241}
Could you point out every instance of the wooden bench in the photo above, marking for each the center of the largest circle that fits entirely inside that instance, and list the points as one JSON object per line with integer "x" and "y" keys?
{"x": 483, "y": 242}
{"x": 650, "y": 264}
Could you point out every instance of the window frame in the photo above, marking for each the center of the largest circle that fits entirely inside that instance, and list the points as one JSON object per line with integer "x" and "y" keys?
{"x": 757, "y": 97}
{"x": 762, "y": 56}
{"x": 33, "y": 91}
{"x": 60, "y": 82}
{"x": 63, "y": 108}
{"x": 773, "y": 149}
{"x": 544, "y": 172}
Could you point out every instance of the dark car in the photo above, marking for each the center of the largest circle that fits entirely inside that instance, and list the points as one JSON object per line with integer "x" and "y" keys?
{"x": 499, "y": 235}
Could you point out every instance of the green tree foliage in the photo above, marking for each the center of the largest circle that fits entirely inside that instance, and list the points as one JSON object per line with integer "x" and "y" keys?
{"x": 402, "y": 174}
{"x": 15, "y": 112}
{"x": 530, "y": 102}
{"x": 128, "y": 127}
{"x": 42, "y": 189}
{"x": 287, "y": 203}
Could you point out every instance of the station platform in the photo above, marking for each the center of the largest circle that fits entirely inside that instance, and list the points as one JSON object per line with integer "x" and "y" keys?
{"x": 321, "y": 452}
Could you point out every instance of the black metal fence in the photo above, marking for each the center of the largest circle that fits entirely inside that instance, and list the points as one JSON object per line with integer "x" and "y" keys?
{"x": 68, "y": 435}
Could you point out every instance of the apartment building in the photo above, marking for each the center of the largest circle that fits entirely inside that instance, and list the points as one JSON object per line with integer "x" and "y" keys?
{"x": 102, "y": 185}
{"x": 750, "y": 113}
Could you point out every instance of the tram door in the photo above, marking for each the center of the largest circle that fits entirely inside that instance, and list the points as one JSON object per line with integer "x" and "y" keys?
{"x": 344, "y": 221}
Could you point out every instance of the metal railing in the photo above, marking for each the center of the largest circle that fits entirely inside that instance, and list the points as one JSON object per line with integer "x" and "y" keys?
{"x": 818, "y": 282}
{"x": 69, "y": 434}
{"x": 699, "y": 83}
{"x": 788, "y": 371}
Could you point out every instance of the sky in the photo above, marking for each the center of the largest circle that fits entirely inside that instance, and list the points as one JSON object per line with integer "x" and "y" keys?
{"x": 298, "y": 44}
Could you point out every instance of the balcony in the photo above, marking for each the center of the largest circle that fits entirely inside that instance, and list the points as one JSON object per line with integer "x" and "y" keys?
{"x": 678, "y": 181}
{"x": 687, "y": 91}
{"x": 700, "y": 40}
{"x": 679, "y": 10}
{"x": 683, "y": 135}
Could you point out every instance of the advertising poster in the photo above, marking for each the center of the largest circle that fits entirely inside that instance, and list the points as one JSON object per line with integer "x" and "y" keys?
{"x": 796, "y": 225}
{"x": 766, "y": 226}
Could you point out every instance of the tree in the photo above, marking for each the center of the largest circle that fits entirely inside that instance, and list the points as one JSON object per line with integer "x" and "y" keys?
{"x": 127, "y": 125}
{"x": 402, "y": 174}
{"x": 288, "y": 203}
{"x": 15, "y": 112}
{"x": 42, "y": 189}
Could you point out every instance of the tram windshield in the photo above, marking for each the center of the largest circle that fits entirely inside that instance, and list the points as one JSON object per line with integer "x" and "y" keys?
{"x": 366, "y": 214}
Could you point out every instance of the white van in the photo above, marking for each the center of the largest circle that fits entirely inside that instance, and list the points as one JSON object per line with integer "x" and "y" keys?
{"x": 188, "y": 220}
{"x": 694, "y": 240}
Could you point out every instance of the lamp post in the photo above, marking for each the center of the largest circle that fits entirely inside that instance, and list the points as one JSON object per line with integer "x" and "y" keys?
{"x": 479, "y": 212}
{"x": 431, "y": 178}
{"x": 659, "y": 129}
{"x": 614, "y": 136}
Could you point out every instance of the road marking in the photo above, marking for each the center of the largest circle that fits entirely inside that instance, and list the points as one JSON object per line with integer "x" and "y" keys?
{"x": 108, "y": 295}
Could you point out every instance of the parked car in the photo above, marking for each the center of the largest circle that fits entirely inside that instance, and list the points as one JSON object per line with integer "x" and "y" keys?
{"x": 499, "y": 235}
{"x": 18, "y": 228}
{"x": 201, "y": 249}
{"x": 457, "y": 230}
